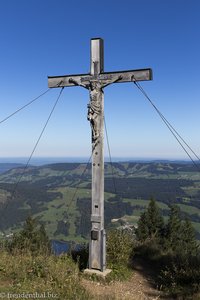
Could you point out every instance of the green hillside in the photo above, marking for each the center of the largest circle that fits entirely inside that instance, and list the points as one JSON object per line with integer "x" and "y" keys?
{"x": 59, "y": 195}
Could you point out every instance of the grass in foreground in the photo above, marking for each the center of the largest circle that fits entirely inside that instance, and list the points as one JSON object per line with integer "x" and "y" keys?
{"x": 48, "y": 275}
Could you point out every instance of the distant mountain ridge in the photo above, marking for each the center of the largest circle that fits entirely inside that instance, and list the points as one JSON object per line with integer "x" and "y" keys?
{"x": 127, "y": 166}
{"x": 4, "y": 167}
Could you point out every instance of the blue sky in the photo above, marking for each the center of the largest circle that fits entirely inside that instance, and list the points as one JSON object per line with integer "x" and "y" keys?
{"x": 47, "y": 38}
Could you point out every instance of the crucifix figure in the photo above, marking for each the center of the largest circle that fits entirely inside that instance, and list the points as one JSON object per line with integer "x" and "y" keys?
{"x": 95, "y": 82}
{"x": 94, "y": 107}
{"x": 94, "y": 110}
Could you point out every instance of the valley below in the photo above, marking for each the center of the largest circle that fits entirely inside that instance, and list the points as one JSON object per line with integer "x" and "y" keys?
{"x": 59, "y": 195}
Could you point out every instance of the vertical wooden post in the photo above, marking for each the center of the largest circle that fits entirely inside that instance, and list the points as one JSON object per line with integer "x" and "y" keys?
{"x": 97, "y": 239}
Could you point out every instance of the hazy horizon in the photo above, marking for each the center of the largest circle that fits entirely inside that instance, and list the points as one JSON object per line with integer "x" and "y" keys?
{"x": 49, "y": 160}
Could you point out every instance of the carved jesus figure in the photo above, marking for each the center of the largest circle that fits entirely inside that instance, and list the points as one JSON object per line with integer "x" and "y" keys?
{"x": 94, "y": 106}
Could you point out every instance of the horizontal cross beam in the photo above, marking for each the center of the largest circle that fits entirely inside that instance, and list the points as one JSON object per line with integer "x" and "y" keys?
{"x": 105, "y": 78}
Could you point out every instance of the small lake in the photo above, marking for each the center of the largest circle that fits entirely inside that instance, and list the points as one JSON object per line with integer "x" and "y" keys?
{"x": 59, "y": 247}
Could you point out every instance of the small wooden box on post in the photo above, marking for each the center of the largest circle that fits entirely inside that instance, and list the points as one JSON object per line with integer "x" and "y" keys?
{"x": 95, "y": 82}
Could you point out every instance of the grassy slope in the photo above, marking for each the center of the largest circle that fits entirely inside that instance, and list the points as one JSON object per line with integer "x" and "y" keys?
{"x": 58, "y": 276}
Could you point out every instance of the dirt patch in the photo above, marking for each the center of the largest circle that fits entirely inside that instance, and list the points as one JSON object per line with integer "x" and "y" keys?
{"x": 141, "y": 285}
{"x": 136, "y": 288}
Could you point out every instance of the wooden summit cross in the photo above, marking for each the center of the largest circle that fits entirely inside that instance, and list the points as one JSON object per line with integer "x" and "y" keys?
{"x": 95, "y": 82}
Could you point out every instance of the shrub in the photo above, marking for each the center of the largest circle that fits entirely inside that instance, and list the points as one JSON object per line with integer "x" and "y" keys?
{"x": 181, "y": 276}
{"x": 119, "y": 253}
{"x": 81, "y": 256}
{"x": 119, "y": 246}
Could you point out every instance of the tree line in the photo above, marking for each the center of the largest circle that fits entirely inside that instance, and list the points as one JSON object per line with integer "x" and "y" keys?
{"x": 171, "y": 247}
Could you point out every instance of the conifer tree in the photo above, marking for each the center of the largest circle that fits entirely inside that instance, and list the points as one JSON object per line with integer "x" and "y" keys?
{"x": 150, "y": 224}
{"x": 155, "y": 220}
{"x": 189, "y": 243}
{"x": 142, "y": 231}
{"x": 180, "y": 236}
{"x": 31, "y": 238}
{"x": 174, "y": 230}
{"x": 43, "y": 239}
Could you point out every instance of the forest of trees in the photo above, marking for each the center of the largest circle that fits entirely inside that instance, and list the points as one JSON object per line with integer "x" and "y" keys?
{"x": 172, "y": 249}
